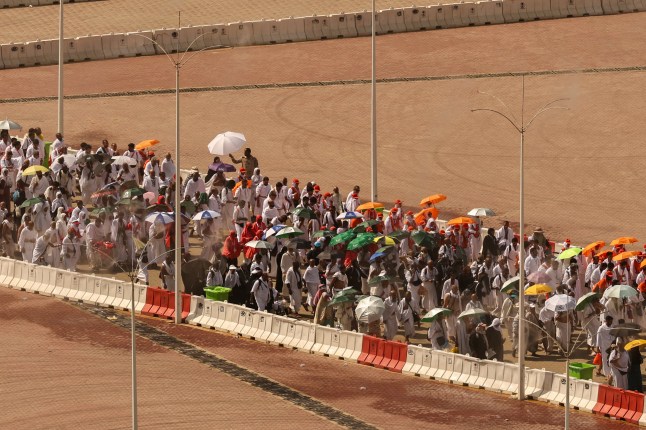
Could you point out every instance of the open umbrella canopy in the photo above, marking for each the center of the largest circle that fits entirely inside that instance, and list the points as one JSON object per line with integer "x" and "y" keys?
{"x": 289, "y": 232}
{"x": 584, "y": 300}
{"x": 226, "y": 143}
{"x": 399, "y": 234}
{"x": 539, "y": 278}
{"x": 569, "y": 253}
{"x": 120, "y": 160}
{"x": 433, "y": 314}
{"x": 370, "y": 205}
{"x": 433, "y": 199}
{"x": 337, "y": 300}
{"x": 421, "y": 216}
{"x": 8, "y": 124}
{"x": 510, "y": 285}
{"x": 537, "y": 289}
{"x": 68, "y": 160}
{"x": 620, "y": 292}
{"x": 146, "y": 144}
{"x": 163, "y": 217}
{"x": 481, "y": 212}
{"x": 602, "y": 253}
{"x": 344, "y": 237}
{"x": 222, "y": 167}
{"x": 461, "y": 220}
{"x": 304, "y": 213}
{"x": 347, "y": 291}
{"x": 473, "y": 313}
{"x": 206, "y": 215}
{"x": 625, "y": 330}
{"x": 594, "y": 246}
{"x": 259, "y": 244}
{"x": 157, "y": 208}
{"x": 385, "y": 249}
{"x": 370, "y": 309}
{"x": 30, "y": 202}
{"x": 360, "y": 241}
{"x": 102, "y": 193}
{"x": 624, "y": 240}
{"x": 560, "y": 303}
{"x": 376, "y": 255}
{"x": 349, "y": 215}
{"x": 642, "y": 264}
{"x": 635, "y": 344}
{"x": 99, "y": 211}
{"x": 362, "y": 227}
{"x": 132, "y": 192}
{"x": 422, "y": 238}
{"x": 625, "y": 255}
{"x": 31, "y": 170}
{"x": 385, "y": 240}
{"x": 273, "y": 230}
{"x": 322, "y": 233}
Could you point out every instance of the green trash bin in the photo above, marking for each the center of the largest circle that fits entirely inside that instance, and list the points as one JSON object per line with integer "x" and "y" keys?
{"x": 220, "y": 294}
{"x": 581, "y": 370}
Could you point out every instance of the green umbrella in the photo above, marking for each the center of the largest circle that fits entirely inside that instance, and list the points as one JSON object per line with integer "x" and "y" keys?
{"x": 360, "y": 242}
{"x": 584, "y": 300}
{"x": 473, "y": 313}
{"x": 385, "y": 249}
{"x": 620, "y": 292}
{"x": 422, "y": 238}
{"x": 360, "y": 228}
{"x": 98, "y": 211}
{"x": 381, "y": 278}
{"x": 347, "y": 291}
{"x": 399, "y": 234}
{"x": 304, "y": 213}
{"x": 434, "y": 313}
{"x": 322, "y": 233}
{"x": 289, "y": 232}
{"x": 30, "y": 202}
{"x": 132, "y": 192}
{"x": 341, "y": 299}
{"x": 510, "y": 285}
{"x": 344, "y": 237}
{"x": 569, "y": 253}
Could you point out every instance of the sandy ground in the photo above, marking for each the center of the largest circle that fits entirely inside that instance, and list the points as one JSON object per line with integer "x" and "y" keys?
{"x": 580, "y": 169}
{"x": 64, "y": 368}
{"x": 119, "y": 16}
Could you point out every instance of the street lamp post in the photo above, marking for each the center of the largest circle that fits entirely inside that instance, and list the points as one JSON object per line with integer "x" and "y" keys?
{"x": 373, "y": 111}
{"x": 61, "y": 47}
{"x": 178, "y": 62}
{"x": 521, "y": 128}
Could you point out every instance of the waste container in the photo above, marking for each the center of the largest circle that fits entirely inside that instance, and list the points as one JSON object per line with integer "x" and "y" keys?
{"x": 220, "y": 294}
{"x": 581, "y": 370}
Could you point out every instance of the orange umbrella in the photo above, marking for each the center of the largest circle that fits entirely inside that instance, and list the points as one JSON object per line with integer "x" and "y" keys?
{"x": 461, "y": 220}
{"x": 602, "y": 253}
{"x": 625, "y": 240}
{"x": 420, "y": 217}
{"x": 239, "y": 184}
{"x": 588, "y": 249}
{"x": 369, "y": 205}
{"x": 643, "y": 264}
{"x": 624, "y": 255}
{"x": 146, "y": 144}
{"x": 435, "y": 198}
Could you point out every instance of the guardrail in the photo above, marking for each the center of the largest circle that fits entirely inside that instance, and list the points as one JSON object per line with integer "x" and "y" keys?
{"x": 300, "y": 29}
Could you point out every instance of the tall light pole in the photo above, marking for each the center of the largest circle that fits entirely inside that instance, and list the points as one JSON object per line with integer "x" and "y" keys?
{"x": 373, "y": 112}
{"x": 178, "y": 61}
{"x": 61, "y": 47}
{"x": 521, "y": 128}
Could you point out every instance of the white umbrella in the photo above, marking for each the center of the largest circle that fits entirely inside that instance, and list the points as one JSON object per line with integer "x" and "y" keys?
{"x": 370, "y": 309}
{"x": 206, "y": 215}
{"x": 67, "y": 159}
{"x": 8, "y": 124}
{"x": 226, "y": 143}
{"x": 119, "y": 160}
{"x": 560, "y": 303}
{"x": 481, "y": 212}
{"x": 259, "y": 244}
{"x": 163, "y": 217}
{"x": 349, "y": 215}
{"x": 620, "y": 292}
{"x": 273, "y": 230}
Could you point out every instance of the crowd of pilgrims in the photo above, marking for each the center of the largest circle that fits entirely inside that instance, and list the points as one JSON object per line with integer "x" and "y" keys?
{"x": 92, "y": 206}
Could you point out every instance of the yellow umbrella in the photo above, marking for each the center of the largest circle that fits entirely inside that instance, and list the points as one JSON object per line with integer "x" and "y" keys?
{"x": 634, "y": 343}
{"x": 369, "y": 205}
{"x": 537, "y": 289}
{"x": 146, "y": 144}
{"x": 31, "y": 170}
{"x": 387, "y": 240}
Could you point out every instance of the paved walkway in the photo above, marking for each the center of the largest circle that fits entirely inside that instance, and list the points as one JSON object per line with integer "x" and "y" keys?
{"x": 121, "y": 16}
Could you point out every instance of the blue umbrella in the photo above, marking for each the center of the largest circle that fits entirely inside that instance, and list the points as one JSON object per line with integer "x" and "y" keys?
{"x": 273, "y": 230}
{"x": 376, "y": 255}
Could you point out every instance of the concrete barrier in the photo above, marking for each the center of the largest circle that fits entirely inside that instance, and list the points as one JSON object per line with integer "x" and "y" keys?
{"x": 6, "y": 270}
{"x": 341, "y": 26}
{"x": 416, "y": 19}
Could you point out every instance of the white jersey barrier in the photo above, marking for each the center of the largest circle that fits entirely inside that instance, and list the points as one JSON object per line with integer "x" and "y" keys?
{"x": 7, "y": 270}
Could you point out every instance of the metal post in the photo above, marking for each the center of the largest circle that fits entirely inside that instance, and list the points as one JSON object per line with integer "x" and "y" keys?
{"x": 373, "y": 112}
{"x": 521, "y": 272}
{"x": 133, "y": 352}
{"x": 178, "y": 212}
{"x": 567, "y": 373}
{"x": 60, "y": 67}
